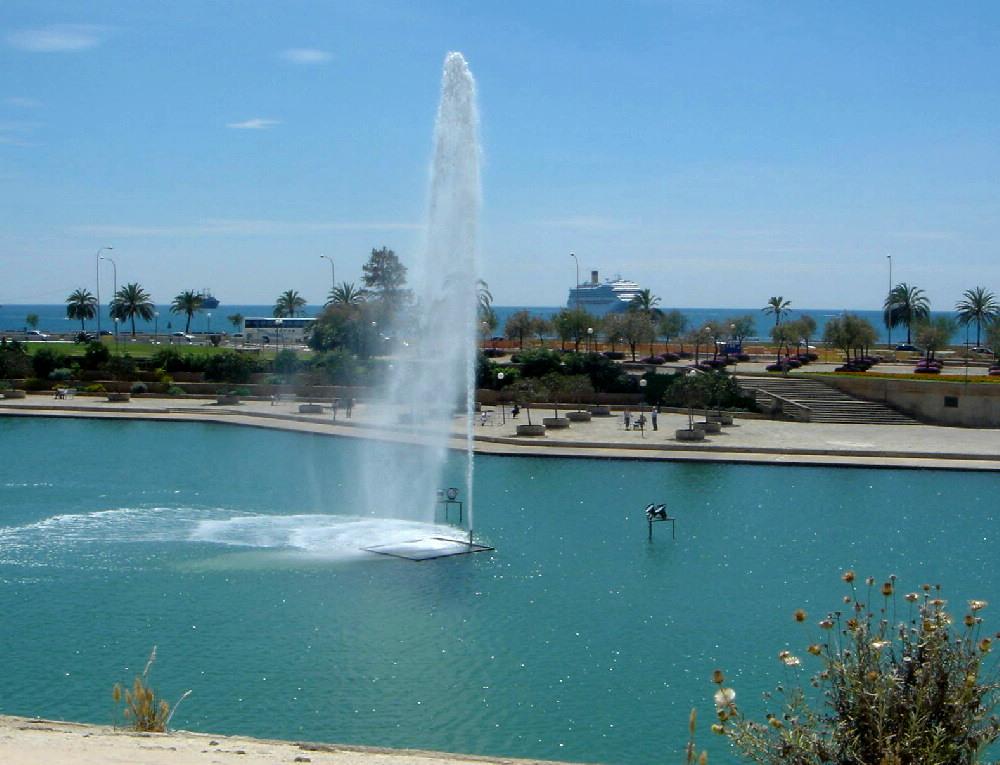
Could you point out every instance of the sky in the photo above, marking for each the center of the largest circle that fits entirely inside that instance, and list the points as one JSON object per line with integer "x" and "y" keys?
{"x": 717, "y": 152}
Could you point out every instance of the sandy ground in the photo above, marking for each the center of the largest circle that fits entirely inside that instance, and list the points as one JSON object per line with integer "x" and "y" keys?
{"x": 25, "y": 741}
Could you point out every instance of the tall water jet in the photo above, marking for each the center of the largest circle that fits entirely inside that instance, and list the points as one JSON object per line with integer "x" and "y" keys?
{"x": 431, "y": 378}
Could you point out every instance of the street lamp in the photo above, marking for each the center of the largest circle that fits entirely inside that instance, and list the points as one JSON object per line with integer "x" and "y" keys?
{"x": 209, "y": 315}
{"x": 116, "y": 334}
{"x": 333, "y": 278}
{"x": 156, "y": 327}
{"x": 98, "y": 261}
{"x": 277, "y": 326}
{"x": 642, "y": 406}
{"x": 503, "y": 411}
{"x": 577, "y": 285}
{"x": 114, "y": 267}
{"x": 590, "y": 339}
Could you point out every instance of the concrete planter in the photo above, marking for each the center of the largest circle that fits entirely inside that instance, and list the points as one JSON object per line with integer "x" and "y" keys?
{"x": 723, "y": 418}
{"x": 531, "y": 430}
{"x": 578, "y": 416}
{"x": 14, "y": 394}
{"x": 600, "y": 411}
{"x": 710, "y": 426}
{"x": 227, "y": 399}
{"x": 119, "y": 397}
{"x": 310, "y": 409}
{"x": 690, "y": 435}
{"x": 555, "y": 423}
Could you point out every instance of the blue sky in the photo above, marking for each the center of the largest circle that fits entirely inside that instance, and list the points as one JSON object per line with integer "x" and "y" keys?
{"x": 717, "y": 152}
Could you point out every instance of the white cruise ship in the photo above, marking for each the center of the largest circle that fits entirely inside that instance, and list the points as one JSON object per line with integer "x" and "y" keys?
{"x": 600, "y": 298}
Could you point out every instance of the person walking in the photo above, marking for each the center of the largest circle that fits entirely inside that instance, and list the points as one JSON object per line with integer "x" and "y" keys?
{"x": 350, "y": 408}
{"x": 653, "y": 415}
{"x": 628, "y": 419}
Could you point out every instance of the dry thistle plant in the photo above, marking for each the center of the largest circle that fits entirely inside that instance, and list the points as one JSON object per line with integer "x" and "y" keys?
{"x": 898, "y": 684}
{"x": 141, "y": 709}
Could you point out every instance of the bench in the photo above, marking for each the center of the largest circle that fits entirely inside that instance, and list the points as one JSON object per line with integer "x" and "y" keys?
{"x": 65, "y": 392}
{"x": 283, "y": 398}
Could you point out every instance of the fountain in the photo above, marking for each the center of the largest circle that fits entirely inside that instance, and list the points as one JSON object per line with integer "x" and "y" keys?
{"x": 432, "y": 376}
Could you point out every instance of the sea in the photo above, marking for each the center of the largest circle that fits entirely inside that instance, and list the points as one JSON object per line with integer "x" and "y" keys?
{"x": 52, "y": 318}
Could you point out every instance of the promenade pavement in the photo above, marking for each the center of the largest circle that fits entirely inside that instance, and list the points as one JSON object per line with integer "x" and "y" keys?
{"x": 749, "y": 439}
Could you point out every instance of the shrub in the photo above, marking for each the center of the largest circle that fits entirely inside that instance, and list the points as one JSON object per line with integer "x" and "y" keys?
{"x": 14, "y": 362}
{"x": 907, "y": 690}
{"x": 141, "y": 710}
{"x": 229, "y": 367}
{"x": 33, "y": 383}
{"x": 339, "y": 367}
{"x": 61, "y": 374}
{"x": 95, "y": 356}
{"x": 122, "y": 367}
{"x": 45, "y": 361}
{"x": 175, "y": 390}
{"x": 139, "y": 387}
{"x": 538, "y": 362}
{"x": 286, "y": 362}
{"x": 94, "y": 388}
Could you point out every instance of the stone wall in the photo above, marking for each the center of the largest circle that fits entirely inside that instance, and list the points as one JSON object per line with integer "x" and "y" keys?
{"x": 971, "y": 405}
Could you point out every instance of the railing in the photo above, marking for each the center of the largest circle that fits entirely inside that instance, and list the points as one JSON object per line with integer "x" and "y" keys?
{"x": 793, "y": 409}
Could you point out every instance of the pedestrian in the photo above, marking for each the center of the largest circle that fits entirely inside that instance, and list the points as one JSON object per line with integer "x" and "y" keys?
{"x": 653, "y": 415}
{"x": 350, "y": 407}
{"x": 334, "y": 406}
{"x": 628, "y": 419}
{"x": 515, "y": 411}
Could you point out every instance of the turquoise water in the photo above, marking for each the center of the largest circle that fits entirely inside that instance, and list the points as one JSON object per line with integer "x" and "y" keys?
{"x": 233, "y": 551}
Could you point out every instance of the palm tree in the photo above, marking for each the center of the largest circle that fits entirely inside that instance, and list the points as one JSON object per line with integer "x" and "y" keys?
{"x": 131, "y": 301}
{"x": 81, "y": 305}
{"x": 288, "y": 304}
{"x": 236, "y": 319}
{"x": 188, "y": 302}
{"x": 978, "y": 305}
{"x": 779, "y": 307}
{"x": 905, "y": 305}
{"x": 646, "y": 301}
{"x": 346, "y": 293}
{"x": 484, "y": 298}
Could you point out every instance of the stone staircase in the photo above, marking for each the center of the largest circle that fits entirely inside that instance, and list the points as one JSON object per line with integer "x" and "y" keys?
{"x": 808, "y": 400}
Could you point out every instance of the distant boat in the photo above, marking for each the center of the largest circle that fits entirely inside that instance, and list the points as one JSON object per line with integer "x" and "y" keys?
{"x": 600, "y": 298}
{"x": 208, "y": 300}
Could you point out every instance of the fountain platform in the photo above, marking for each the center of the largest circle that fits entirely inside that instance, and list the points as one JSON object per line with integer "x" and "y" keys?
{"x": 428, "y": 548}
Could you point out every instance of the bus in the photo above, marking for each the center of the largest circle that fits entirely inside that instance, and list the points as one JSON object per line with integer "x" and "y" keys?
{"x": 267, "y": 330}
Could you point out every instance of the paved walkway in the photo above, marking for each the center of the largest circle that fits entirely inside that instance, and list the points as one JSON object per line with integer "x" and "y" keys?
{"x": 750, "y": 439}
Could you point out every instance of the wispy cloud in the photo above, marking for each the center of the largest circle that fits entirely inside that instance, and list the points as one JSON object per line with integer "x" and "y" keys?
{"x": 13, "y": 133}
{"x": 19, "y": 102}
{"x": 257, "y": 123}
{"x": 306, "y": 56}
{"x": 585, "y": 222}
{"x": 58, "y": 38}
{"x": 240, "y": 227}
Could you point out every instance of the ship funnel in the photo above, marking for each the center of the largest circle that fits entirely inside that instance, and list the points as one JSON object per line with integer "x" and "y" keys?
{"x": 593, "y": 277}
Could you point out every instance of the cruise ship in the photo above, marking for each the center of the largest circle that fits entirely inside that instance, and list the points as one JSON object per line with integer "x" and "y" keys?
{"x": 208, "y": 300}
{"x": 600, "y": 298}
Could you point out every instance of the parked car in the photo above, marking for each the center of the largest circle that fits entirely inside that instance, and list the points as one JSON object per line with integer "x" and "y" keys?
{"x": 34, "y": 334}
{"x": 182, "y": 336}
{"x": 907, "y": 347}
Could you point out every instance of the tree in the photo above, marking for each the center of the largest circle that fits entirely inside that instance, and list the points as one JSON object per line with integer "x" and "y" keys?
{"x": 671, "y": 324}
{"x": 488, "y": 323}
{"x": 905, "y": 305}
{"x": 346, "y": 293}
{"x": 646, "y": 301}
{"x": 992, "y": 338}
{"x": 849, "y": 333}
{"x": 781, "y": 336}
{"x": 236, "y": 319}
{"x": 807, "y": 329}
{"x": 698, "y": 337}
{"x": 32, "y": 320}
{"x": 542, "y": 328}
{"x": 81, "y": 306}
{"x": 741, "y": 327}
{"x": 613, "y": 327}
{"x": 571, "y": 324}
{"x": 934, "y": 334}
{"x": 978, "y": 305}
{"x": 779, "y": 307}
{"x": 288, "y": 304}
{"x": 484, "y": 300}
{"x": 189, "y": 303}
{"x": 637, "y": 328}
{"x": 385, "y": 276}
{"x": 131, "y": 301}
{"x": 519, "y": 324}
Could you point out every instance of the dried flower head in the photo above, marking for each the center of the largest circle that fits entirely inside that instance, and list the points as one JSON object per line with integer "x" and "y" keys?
{"x": 985, "y": 644}
{"x": 815, "y": 649}
{"x": 887, "y": 589}
{"x": 870, "y": 581}
{"x": 800, "y": 615}
{"x": 977, "y": 605}
{"x": 724, "y": 697}
{"x": 847, "y": 576}
{"x": 970, "y": 620}
{"x": 826, "y": 624}
{"x": 791, "y": 661}
{"x": 911, "y": 596}
{"x": 718, "y": 677}
{"x": 878, "y": 645}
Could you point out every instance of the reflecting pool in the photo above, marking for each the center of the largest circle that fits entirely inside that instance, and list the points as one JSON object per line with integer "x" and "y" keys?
{"x": 234, "y": 550}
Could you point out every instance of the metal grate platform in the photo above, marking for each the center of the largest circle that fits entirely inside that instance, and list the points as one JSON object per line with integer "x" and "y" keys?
{"x": 428, "y": 548}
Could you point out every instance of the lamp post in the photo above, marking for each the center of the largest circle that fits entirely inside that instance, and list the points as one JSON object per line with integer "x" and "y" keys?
{"x": 577, "y": 285}
{"x": 116, "y": 334}
{"x": 889, "y": 342}
{"x": 156, "y": 327}
{"x": 590, "y": 339}
{"x": 277, "y": 325}
{"x": 503, "y": 411}
{"x": 642, "y": 406}
{"x": 333, "y": 277}
{"x": 98, "y": 261}
{"x": 114, "y": 295}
